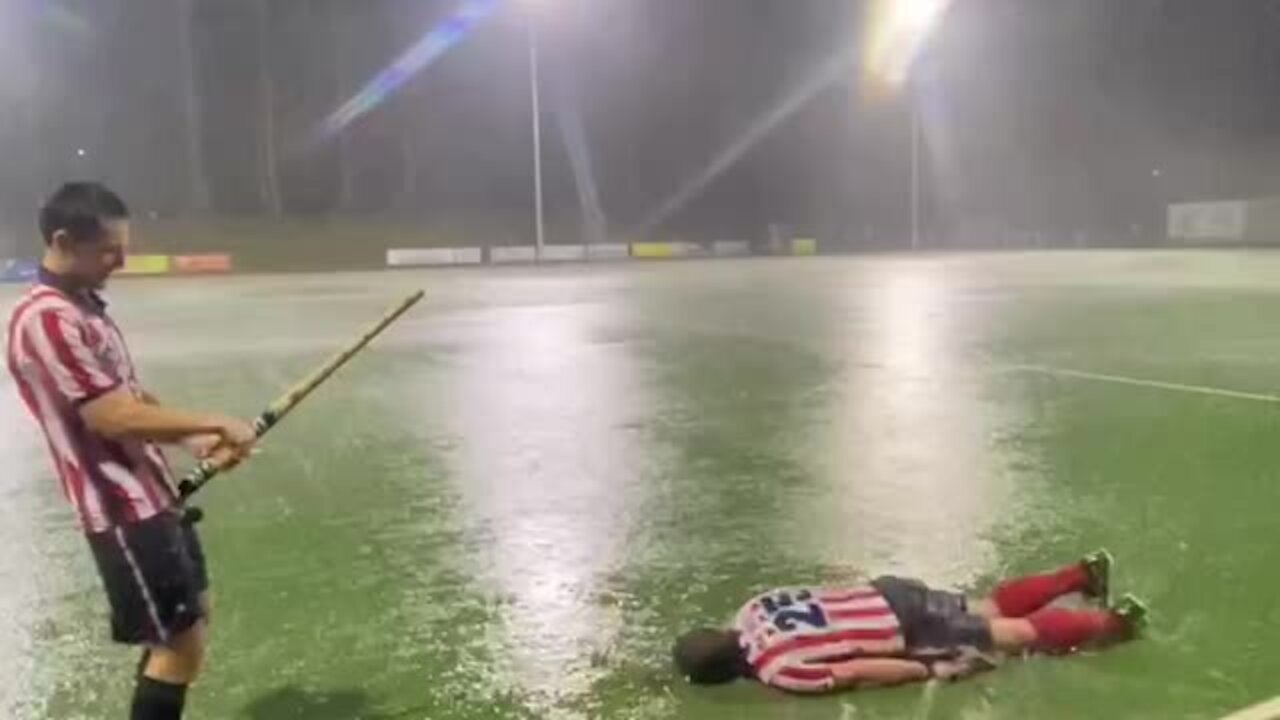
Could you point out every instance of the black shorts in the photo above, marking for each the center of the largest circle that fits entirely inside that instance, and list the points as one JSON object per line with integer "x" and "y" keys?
{"x": 153, "y": 572}
{"x": 934, "y": 621}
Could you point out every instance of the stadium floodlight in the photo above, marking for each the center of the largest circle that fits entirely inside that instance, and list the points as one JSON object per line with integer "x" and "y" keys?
{"x": 896, "y": 31}
{"x": 922, "y": 15}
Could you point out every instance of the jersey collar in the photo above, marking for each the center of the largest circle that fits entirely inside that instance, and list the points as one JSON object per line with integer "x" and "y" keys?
{"x": 85, "y": 298}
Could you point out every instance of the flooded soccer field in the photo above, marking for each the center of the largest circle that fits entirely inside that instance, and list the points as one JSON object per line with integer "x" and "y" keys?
{"x": 518, "y": 496}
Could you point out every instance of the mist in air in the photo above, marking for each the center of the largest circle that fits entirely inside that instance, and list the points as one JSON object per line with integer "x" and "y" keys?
{"x": 1050, "y": 124}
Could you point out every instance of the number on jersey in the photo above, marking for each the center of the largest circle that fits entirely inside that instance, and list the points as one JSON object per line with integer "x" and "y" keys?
{"x": 787, "y": 613}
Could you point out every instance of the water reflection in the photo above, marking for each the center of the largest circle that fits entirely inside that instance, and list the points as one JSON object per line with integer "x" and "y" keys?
{"x": 908, "y": 463}
{"x": 543, "y": 399}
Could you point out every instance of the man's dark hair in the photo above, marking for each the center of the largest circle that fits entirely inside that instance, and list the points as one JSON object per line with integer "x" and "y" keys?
{"x": 710, "y": 657}
{"x": 80, "y": 208}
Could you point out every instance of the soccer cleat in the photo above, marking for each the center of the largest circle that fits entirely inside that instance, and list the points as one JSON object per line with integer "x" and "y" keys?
{"x": 1132, "y": 612}
{"x": 1098, "y": 566}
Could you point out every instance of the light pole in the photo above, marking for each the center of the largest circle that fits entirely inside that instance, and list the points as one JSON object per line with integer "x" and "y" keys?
{"x": 539, "y": 230}
{"x": 897, "y": 32}
{"x": 915, "y": 175}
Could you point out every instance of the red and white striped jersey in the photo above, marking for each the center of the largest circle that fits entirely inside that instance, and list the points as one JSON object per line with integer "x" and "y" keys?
{"x": 64, "y": 351}
{"x": 793, "y": 636}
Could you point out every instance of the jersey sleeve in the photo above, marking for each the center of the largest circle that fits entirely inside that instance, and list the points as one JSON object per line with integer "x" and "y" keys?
{"x": 56, "y": 342}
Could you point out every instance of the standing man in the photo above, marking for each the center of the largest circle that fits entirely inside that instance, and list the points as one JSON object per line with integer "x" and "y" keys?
{"x": 75, "y": 375}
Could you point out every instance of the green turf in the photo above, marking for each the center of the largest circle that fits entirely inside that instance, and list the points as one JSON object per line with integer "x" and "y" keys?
{"x": 513, "y": 502}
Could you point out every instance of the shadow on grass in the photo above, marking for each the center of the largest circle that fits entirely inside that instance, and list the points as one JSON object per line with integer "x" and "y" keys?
{"x": 292, "y": 702}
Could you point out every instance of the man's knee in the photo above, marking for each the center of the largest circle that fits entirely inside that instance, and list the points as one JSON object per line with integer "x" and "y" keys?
{"x": 1013, "y": 634}
{"x": 986, "y": 607}
{"x": 180, "y": 661}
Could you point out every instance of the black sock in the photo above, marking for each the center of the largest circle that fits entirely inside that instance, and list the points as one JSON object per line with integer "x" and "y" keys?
{"x": 158, "y": 700}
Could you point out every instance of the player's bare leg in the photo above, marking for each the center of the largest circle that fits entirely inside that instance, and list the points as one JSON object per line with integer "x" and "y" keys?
{"x": 166, "y": 671}
{"x": 1059, "y": 630}
{"x": 180, "y": 661}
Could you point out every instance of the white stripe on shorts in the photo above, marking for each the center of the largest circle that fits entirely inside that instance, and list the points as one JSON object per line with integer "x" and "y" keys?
{"x": 142, "y": 585}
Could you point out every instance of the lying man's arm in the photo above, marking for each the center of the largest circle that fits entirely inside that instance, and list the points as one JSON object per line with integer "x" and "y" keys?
{"x": 878, "y": 672}
{"x": 820, "y": 677}
{"x": 894, "y": 671}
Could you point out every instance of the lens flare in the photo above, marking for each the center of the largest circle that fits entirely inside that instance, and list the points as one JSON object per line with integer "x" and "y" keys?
{"x": 424, "y": 52}
{"x": 834, "y": 70}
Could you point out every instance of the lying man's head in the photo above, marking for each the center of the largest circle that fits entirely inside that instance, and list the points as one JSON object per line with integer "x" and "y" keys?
{"x": 709, "y": 657}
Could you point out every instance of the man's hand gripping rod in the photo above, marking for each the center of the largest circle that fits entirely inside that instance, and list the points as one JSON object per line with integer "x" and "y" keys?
{"x": 208, "y": 469}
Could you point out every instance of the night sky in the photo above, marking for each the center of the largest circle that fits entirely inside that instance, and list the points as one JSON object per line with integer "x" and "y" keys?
{"x": 1042, "y": 115}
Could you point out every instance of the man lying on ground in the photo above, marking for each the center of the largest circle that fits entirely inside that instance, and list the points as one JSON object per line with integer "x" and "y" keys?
{"x": 897, "y": 630}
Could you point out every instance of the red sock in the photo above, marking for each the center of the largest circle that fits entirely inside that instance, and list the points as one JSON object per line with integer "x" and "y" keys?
{"x": 1023, "y": 596}
{"x": 1059, "y": 630}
